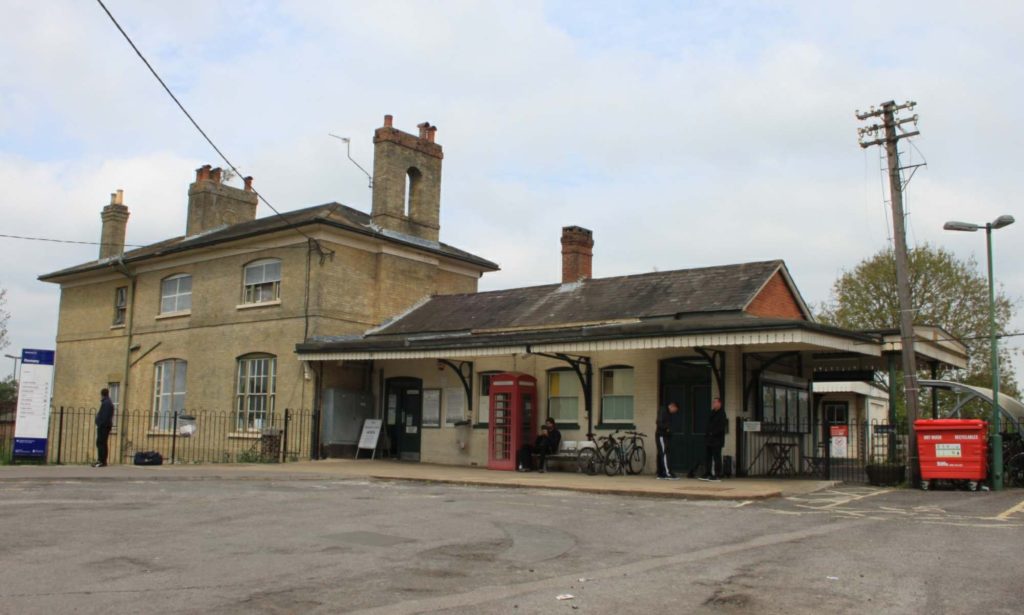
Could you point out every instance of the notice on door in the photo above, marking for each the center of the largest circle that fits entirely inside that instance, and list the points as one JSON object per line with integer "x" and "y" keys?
{"x": 840, "y": 435}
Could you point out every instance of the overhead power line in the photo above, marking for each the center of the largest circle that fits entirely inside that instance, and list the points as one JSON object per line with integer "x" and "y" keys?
{"x": 220, "y": 153}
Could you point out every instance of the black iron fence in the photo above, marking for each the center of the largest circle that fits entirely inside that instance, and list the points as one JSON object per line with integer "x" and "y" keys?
{"x": 856, "y": 452}
{"x": 200, "y": 436}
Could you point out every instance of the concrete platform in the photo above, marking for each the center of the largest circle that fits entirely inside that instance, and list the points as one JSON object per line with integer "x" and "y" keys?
{"x": 645, "y": 485}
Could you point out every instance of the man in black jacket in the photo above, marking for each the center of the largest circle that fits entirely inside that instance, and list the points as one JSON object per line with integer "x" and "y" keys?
{"x": 714, "y": 440}
{"x": 104, "y": 423}
{"x": 662, "y": 434}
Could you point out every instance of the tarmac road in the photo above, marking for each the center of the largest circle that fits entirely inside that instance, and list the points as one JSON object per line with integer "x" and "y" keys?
{"x": 296, "y": 544}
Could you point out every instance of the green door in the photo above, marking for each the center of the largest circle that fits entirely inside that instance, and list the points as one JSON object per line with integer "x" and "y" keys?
{"x": 687, "y": 382}
{"x": 405, "y": 415}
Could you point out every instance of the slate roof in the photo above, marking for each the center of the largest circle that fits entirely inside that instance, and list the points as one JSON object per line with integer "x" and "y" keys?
{"x": 331, "y": 214}
{"x": 693, "y": 324}
{"x": 703, "y": 300}
{"x": 727, "y": 288}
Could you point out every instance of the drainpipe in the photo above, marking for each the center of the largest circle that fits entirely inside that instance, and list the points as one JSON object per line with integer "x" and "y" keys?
{"x": 129, "y": 325}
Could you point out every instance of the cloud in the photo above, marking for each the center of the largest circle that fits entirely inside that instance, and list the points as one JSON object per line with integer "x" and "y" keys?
{"x": 682, "y": 135}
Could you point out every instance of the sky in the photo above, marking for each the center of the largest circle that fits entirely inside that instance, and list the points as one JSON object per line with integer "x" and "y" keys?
{"x": 684, "y": 134}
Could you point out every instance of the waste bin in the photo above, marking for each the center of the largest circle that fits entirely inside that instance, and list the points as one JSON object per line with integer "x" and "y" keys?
{"x": 952, "y": 449}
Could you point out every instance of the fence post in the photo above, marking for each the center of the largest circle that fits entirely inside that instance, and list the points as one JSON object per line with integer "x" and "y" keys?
{"x": 174, "y": 437}
{"x": 827, "y": 436}
{"x": 314, "y": 444}
{"x": 60, "y": 433}
{"x": 284, "y": 437}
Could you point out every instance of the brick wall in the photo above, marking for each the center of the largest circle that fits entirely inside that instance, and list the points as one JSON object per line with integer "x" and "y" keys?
{"x": 776, "y": 301}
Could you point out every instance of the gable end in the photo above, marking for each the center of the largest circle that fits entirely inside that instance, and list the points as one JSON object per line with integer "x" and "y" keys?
{"x": 776, "y": 300}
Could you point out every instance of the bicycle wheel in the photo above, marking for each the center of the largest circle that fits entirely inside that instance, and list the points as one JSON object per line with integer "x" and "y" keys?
{"x": 613, "y": 462}
{"x": 586, "y": 461}
{"x": 637, "y": 460}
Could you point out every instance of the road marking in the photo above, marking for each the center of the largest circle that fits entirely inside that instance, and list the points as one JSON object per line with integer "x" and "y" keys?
{"x": 1006, "y": 514}
{"x": 743, "y": 503}
{"x": 859, "y": 497}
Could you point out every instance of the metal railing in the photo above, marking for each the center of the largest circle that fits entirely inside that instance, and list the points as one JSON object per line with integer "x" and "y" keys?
{"x": 195, "y": 436}
{"x": 857, "y": 452}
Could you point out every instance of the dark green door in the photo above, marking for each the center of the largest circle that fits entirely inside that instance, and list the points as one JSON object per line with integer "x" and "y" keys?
{"x": 688, "y": 383}
{"x": 405, "y": 401}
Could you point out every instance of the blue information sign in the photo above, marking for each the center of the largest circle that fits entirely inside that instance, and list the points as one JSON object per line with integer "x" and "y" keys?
{"x": 32, "y": 420}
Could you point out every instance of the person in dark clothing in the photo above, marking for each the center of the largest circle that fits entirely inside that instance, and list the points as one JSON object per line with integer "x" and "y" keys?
{"x": 714, "y": 440}
{"x": 662, "y": 433}
{"x": 545, "y": 444}
{"x": 104, "y": 423}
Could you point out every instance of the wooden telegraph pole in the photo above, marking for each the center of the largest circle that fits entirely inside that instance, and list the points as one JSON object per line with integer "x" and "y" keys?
{"x": 869, "y": 136}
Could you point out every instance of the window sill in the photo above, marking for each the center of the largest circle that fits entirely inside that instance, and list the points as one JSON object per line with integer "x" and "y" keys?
{"x": 120, "y": 326}
{"x": 174, "y": 314}
{"x": 158, "y": 434}
{"x": 481, "y": 425}
{"x": 630, "y": 426}
{"x": 561, "y": 426}
{"x": 245, "y": 435}
{"x": 249, "y": 306}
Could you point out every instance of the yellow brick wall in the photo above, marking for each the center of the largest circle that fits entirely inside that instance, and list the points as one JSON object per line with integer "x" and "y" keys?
{"x": 345, "y": 298}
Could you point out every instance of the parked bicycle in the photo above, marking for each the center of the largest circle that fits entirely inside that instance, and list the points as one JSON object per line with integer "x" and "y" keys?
{"x": 592, "y": 459}
{"x": 633, "y": 452}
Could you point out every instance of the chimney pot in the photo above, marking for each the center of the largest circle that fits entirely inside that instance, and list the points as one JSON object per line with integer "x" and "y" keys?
{"x": 203, "y": 173}
{"x": 248, "y": 183}
{"x": 215, "y": 175}
{"x": 424, "y": 128}
{"x": 388, "y": 121}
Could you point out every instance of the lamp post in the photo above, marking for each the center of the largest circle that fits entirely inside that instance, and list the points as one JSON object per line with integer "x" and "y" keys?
{"x": 14, "y": 374}
{"x": 997, "y": 438}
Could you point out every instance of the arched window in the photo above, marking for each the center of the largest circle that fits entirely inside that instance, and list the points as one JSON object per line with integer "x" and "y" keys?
{"x": 262, "y": 281}
{"x": 176, "y": 294}
{"x": 254, "y": 392}
{"x": 413, "y": 186}
{"x": 617, "y": 394}
{"x": 169, "y": 379}
{"x": 563, "y": 395}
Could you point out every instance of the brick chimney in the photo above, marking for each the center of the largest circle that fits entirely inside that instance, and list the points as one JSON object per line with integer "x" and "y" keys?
{"x": 577, "y": 253}
{"x": 115, "y": 223}
{"x": 212, "y": 203}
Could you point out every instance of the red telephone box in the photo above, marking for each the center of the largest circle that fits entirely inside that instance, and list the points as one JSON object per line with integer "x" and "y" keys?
{"x": 513, "y": 403}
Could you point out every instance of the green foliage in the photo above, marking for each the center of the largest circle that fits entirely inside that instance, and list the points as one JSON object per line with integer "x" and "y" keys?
{"x": 946, "y": 292}
{"x": 8, "y": 389}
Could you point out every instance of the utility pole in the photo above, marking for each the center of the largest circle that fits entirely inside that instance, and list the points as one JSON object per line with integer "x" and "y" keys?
{"x": 868, "y": 137}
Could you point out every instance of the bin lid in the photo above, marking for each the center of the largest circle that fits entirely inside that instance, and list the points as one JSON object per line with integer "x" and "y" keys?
{"x": 950, "y": 424}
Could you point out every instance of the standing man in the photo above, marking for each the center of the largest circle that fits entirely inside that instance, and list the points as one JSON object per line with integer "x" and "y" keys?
{"x": 662, "y": 433}
{"x": 104, "y": 423}
{"x": 714, "y": 440}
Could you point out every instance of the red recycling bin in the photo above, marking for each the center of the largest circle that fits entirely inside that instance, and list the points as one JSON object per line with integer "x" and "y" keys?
{"x": 952, "y": 449}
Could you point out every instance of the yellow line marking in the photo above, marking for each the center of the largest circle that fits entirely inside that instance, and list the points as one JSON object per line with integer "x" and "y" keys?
{"x": 1011, "y": 511}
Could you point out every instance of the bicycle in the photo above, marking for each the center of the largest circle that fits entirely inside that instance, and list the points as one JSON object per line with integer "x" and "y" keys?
{"x": 592, "y": 459}
{"x": 633, "y": 452}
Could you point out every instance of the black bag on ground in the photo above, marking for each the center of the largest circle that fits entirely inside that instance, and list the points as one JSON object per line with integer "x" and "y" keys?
{"x": 148, "y": 458}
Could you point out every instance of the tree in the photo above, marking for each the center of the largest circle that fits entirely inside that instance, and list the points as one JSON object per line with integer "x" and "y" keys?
{"x": 946, "y": 292}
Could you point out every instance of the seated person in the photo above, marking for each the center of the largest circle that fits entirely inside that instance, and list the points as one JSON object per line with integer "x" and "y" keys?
{"x": 547, "y": 443}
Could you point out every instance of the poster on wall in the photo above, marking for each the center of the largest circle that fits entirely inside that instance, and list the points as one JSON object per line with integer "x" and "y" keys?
{"x": 32, "y": 418}
{"x": 431, "y": 407}
{"x": 454, "y": 406}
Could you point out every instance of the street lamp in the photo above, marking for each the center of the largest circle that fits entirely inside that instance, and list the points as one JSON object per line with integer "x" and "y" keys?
{"x": 14, "y": 374}
{"x": 997, "y": 437}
